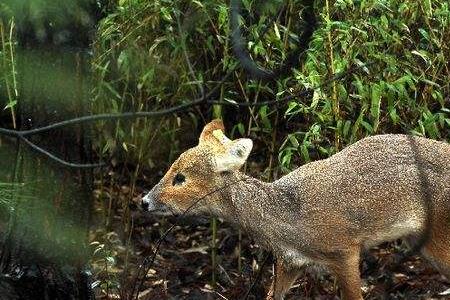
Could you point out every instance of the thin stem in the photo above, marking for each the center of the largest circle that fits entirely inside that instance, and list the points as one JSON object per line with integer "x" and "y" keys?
{"x": 13, "y": 65}
{"x": 186, "y": 57}
{"x": 213, "y": 251}
{"x": 335, "y": 99}
{"x": 149, "y": 260}
{"x": 217, "y": 113}
{"x": 6, "y": 64}
{"x": 257, "y": 277}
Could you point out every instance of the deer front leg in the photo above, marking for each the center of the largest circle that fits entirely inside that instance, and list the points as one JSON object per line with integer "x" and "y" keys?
{"x": 346, "y": 270}
{"x": 283, "y": 278}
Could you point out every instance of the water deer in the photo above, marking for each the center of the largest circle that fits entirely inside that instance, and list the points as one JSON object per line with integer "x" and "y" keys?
{"x": 326, "y": 212}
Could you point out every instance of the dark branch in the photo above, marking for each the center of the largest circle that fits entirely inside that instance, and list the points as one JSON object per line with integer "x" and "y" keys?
{"x": 175, "y": 109}
{"x": 241, "y": 53}
{"x": 57, "y": 159}
{"x": 100, "y": 117}
{"x": 22, "y": 134}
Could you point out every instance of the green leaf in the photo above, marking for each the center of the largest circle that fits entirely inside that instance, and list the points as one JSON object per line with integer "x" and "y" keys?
{"x": 346, "y": 129}
{"x": 264, "y": 117}
{"x": 367, "y": 126}
{"x": 305, "y": 153}
{"x": 165, "y": 12}
{"x": 375, "y": 106}
{"x": 241, "y": 129}
{"x": 286, "y": 158}
{"x": 11, "y": 104}
{"x": 294, "y": 140}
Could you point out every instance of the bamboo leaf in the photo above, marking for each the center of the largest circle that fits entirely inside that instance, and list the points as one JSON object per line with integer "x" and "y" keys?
{"x": 375, "y": 107}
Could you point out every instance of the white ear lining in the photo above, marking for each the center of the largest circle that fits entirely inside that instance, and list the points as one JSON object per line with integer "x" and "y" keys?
{"x": 235, "y": 155}
{"x": 221, "y": 137}
{"x": 241, "y": 148}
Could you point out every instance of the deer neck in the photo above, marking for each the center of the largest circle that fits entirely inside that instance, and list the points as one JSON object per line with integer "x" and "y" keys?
{"x": 247, "y": 201}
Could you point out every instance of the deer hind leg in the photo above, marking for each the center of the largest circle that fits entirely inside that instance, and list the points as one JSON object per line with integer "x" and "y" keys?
{"x": 346, "y": 270}
{"x": 283, "y": 278}
{"x": 437, "y": 250}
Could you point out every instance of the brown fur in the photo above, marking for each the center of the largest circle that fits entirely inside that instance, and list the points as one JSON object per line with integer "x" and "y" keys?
{"x": 379, "y": 189}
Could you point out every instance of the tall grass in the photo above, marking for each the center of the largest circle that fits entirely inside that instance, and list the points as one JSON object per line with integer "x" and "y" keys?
{"x": 8, "y": 67}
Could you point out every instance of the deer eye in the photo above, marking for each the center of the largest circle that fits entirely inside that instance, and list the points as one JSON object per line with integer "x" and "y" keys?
{"x": 178, "y": 179}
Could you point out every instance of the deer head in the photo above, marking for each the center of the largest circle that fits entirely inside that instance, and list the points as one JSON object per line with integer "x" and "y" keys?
{"x": 199, "y": 172}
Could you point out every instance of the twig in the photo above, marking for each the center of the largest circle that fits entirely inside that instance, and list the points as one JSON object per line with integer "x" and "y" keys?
{"x": 57, "y": 159}
{"x": 21, "y": 134}
{"x": 186, "y": 57}
{"x": 257, "y": 277}
{"x": 100, "y": 117}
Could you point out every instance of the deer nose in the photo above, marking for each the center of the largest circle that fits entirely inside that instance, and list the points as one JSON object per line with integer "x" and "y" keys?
{"x": 148, "y": 203}
{"x": 144, "y": 205}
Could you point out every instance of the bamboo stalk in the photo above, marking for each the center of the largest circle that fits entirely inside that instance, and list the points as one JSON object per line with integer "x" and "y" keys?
{"x": 334, "y": 96}
{"x": 13, "y": 65}
{"x": 217, "y": 114}
{"x": 6, "y": 65}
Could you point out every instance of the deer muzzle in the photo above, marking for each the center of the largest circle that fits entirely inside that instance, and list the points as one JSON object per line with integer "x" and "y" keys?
{"x": 150, "y": 201}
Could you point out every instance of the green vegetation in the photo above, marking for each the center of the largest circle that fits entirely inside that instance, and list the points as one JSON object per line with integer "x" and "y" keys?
{"x": 149, "y": 55}
{"x": 404, "y": 90}
{"x": 156, "y": 54}
{"x": 38, "y": 17}
{"x": 140, "y": 64}
{"x": 8, "y": 82}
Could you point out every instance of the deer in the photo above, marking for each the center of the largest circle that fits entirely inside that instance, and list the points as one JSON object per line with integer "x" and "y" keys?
{"x": 324, "y": 213}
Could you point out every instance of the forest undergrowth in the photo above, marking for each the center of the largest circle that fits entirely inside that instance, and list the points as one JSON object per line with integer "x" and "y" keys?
{"x": 157, "y": 54}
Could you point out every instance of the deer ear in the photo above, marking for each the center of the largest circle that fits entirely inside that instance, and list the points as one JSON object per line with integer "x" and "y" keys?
{"x": 207, "y": 136}
{"x": 235, "y": 156}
